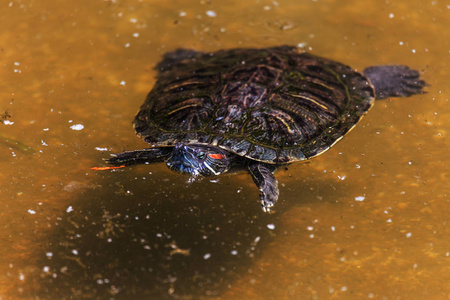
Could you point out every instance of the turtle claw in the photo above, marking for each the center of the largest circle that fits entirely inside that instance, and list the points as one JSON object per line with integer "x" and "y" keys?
{"x": 269, "y": 195}
{"x": 267, "y": 206}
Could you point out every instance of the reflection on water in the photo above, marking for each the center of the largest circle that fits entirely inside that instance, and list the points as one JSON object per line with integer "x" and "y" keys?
{"x": 368, "y": 219}
{"x": 139, "y": 237}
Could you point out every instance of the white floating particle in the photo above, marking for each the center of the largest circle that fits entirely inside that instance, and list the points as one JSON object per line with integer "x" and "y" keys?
{"x": 16, "y": 63}
{"x": 234, "y": 252}
{"x": 74, "y": 252}
{"x": 127, "y": 45}
{"x": 266, "y": 7}
{"x": 31, "y": 212}
{"x": 311, "y": 236}
{"x": 182, "y": 14}
{"x": 413, "y": 50}
{"x": 69, "y": 209}
{"x": 46, "y": 269}
{"x": 21, "y": 277}
{"x": 206, "y": 256}
{"x": 123, "y": 83}
{"x": 333, "y": 228}
{"x": 302, "y": 45}
{"x": 389, "y": 220}
{"x": 45, "y": 129}
{"x": 310, "y": 228}
{"x": 136, "y": 34}
{"x": 271, "y": 226}
{"x": 77, "y": 127}
{"x": 400, "y": 43}
{"x": 49, "y": 254}
{"x": 360, "y": 198}
{"x": 211, "y": 13}
{"x": 101, "y": 149}
{"x": 344, "y": 288}
{"x": 8, "y": 122}
{"x": 409, "y": 234}
{"x": 133, "y": 20}
{"x": 391, "y": 16}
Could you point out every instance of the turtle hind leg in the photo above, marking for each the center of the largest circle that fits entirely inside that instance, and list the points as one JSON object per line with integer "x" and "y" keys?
{"x": 394, "y": 81}
{"x": 129, "y": 158}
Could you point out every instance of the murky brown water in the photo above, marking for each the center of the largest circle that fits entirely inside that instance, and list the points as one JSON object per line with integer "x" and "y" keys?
{"x": 144, "y": 232}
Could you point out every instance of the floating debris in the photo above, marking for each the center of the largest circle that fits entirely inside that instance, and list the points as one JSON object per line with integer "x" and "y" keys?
{"x": 77, "y": 127}
{"x": 211, "y": 13}
{"x": 14, "y": 144}
{"x": 5, "y": 116}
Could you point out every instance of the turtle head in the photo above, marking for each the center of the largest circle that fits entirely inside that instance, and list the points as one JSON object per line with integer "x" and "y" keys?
{"x": 199, "y": 160}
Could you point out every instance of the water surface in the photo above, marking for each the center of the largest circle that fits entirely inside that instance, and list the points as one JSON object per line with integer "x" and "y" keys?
{"x": 368, "y": 219}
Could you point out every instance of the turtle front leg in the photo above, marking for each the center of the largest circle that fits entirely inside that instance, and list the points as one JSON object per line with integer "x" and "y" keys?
{"x": 267, "y": 183}
{"x": 129, "y": 158}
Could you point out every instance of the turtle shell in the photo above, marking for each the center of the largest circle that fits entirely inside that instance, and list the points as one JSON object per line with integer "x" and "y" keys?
{"x": 274, "y": 105}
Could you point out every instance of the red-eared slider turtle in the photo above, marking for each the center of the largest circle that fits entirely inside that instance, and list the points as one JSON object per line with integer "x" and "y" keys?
{"x": 255, "y": 108}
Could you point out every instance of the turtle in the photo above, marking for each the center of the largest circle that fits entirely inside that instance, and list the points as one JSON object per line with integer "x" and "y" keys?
{"x": 255, "y": 109}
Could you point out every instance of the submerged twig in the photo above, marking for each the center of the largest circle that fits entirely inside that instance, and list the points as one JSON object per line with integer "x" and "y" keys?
{"x": 14, "y": 144}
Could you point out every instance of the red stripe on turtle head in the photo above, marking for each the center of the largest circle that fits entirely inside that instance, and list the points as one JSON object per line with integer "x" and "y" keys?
{"x": 217, "y": 156}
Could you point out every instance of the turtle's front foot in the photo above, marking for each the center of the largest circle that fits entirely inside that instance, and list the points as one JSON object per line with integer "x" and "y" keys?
{"x": 267, "y": 184}
{"x": 136, "y": 157}
{"x": 268, "y": 199}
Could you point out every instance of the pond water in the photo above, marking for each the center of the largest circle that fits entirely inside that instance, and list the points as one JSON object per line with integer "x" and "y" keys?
{"x": 369, "y": 219}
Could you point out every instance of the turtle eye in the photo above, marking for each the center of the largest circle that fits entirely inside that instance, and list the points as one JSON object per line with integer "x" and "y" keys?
{"x": 201, "y": 155}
